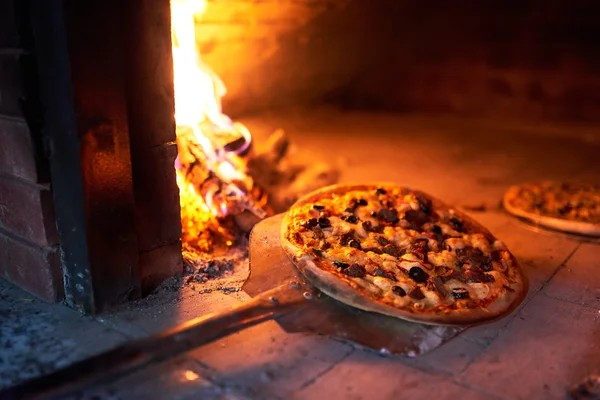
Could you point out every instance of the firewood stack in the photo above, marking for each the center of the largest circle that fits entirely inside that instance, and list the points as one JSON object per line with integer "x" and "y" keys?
{"x": 274, "y": 179}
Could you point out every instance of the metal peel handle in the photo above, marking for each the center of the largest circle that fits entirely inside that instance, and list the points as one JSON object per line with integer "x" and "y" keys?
{"x": 111, "y": 365}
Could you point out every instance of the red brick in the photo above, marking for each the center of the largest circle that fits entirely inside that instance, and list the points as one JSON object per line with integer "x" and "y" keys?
{"x": 17, "y": 153}
{"x": 35, "y": 269}
{"x": 27, "y": 211}
{"x": 159, "y": 264}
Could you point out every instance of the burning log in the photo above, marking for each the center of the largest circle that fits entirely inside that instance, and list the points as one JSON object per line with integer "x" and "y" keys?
{"x": 275, "y": 183}
{"x": 215, "y": 196}
{"x": 191, "y": 159}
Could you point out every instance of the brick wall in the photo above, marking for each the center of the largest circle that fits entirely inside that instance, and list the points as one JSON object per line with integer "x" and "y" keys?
{"x": 520, "y": 59}
{"x": 29, "y": 253}
{"x": 275, "y": 53}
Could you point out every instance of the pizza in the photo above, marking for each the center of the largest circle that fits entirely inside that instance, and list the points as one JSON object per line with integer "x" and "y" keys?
{"x": 570, "y": 207}
{"x": 400, "y": 252}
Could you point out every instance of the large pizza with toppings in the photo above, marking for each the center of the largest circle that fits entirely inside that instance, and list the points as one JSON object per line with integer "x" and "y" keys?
{"x": 570, "y": 207}
{"x": 400, "y": 252}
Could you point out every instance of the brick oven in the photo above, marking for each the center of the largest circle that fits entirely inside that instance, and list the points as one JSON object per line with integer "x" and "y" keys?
{"x": 88, "y": 197}
{"x": 101, "y": 185}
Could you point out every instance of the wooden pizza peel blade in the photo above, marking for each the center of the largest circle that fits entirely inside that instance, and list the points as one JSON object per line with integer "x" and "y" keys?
{"x": 315, "y": 312}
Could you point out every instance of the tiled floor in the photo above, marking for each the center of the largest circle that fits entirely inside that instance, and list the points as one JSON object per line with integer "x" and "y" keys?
{"x": 537, "y": 352}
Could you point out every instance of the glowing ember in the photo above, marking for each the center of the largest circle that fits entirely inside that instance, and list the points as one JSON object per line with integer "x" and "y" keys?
{"x": 198, "y": 223}
{"x": 212, "y": 180}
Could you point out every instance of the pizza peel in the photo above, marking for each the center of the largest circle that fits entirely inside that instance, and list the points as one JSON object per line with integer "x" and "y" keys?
{"x": 279, "y": 292}
{"x": 315, "y": 312}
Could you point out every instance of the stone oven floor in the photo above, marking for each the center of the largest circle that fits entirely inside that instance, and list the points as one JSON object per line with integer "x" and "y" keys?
{"x": 550, "y": 342}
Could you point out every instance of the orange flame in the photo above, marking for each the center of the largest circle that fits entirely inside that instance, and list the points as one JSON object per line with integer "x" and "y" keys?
{"x": 198, "y": 93}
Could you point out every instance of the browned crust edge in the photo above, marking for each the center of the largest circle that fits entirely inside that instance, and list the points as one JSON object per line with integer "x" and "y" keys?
{"x": 344, "y": 291}
{"x": 561, "y": 224}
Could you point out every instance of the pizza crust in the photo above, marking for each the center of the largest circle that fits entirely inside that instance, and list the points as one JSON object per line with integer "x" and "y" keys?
{"x": 346, "y": 291}
{"x": 561, "y": 224}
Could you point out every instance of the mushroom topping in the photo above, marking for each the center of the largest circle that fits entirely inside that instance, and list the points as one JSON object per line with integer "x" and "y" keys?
{"x": 416, "y": 293}
{"x": 355, "y": 271}
{"x": 388, "y": 215}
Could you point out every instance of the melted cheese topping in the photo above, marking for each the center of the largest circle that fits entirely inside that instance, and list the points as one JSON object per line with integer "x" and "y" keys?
{"x": 392, "y": 244}
{"x": 574, "y": 202}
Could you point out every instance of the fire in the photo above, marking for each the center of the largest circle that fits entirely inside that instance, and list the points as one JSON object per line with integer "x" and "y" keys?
{"x": 211, "y": 175}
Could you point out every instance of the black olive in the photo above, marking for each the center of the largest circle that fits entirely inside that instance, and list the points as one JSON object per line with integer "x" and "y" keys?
{"x": 397, "y": 290}
{"x": 317, "y": 252}
{"x": 324, "y": 222}
{"x": 341, "y": 265}
{"x": 374, "y": 214}
{"x": 418, "y": 275}
{"x": 318, "y": 207}
{"x": 326, "y": 246}
{"x": 351, "y": 219}
{"x": 456, "y": 224}
{"x": 311, "y": 223}
{"x": 354, "y": 243}
{"x": 460, "y": 293}
{"x": 424, "y": 205}
{"x": 437, "y": 229}
{"x": 355, "y": 271}
{"x": 381, "y": 191}
{"x": 362, "y": 202}
{"x": 349, "y": 209}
